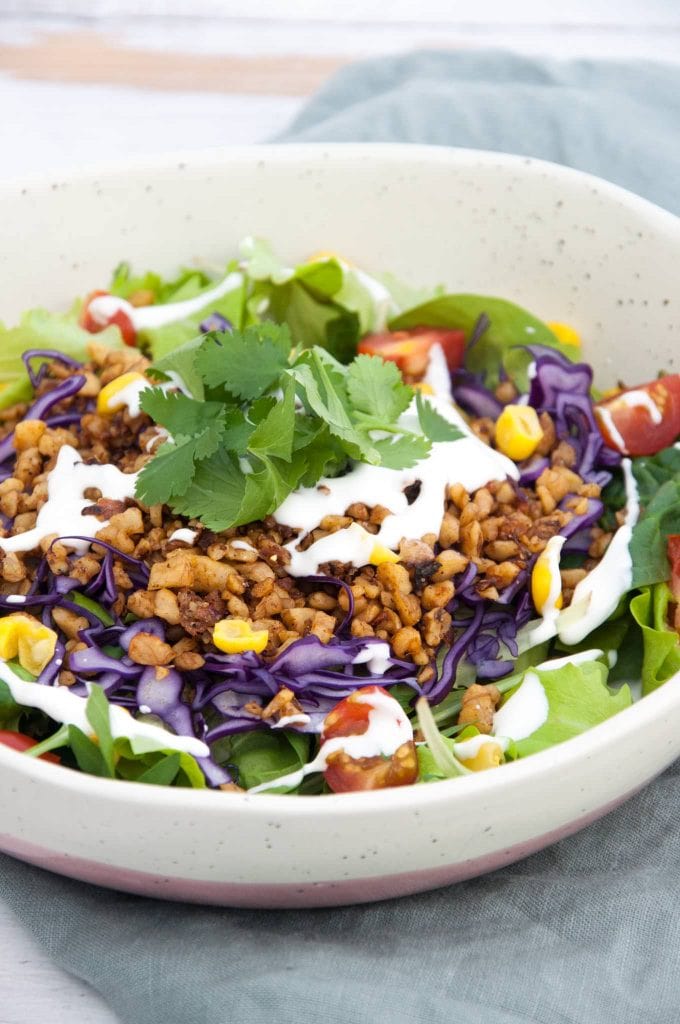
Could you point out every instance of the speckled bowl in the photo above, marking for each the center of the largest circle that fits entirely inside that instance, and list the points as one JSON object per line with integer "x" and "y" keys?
{"x": 568, "y": 246}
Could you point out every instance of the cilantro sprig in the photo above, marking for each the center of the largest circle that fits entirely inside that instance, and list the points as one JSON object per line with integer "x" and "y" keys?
{"x": 264, "y": 419}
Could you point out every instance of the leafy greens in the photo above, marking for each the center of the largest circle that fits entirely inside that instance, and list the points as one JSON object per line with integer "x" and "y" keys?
{"x": 267, "y": 419}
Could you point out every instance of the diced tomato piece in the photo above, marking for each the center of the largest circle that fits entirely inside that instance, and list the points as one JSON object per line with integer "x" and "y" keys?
{"x": 17, "y": 741}
{"x": 642, "y": 420}
{"x": 351, "y": 717}
{"x": 121, "y": 320}
{"x": 674, "y": 558}
{"x": 410, "y": 350}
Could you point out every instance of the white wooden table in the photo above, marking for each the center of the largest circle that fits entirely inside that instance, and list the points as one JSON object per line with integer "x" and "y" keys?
{"x": 88, "y": 80}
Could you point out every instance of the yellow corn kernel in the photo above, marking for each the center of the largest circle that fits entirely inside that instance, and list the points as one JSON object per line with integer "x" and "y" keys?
{"x": 106, "y": 403}
{"x": 489, "y": 755}
{"x": 423, "y": 387}
{"x": 542, "y": 578}
{"x": 327, "y": 254}
{"x": 381, "y": 554}
{"x": 564, "y": 333}
{"x": 25, "y": 637}
{"x": 518, "y": 432}
{"x": 235, "y": 636}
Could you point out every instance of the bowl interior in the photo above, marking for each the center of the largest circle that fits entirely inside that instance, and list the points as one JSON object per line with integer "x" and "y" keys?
{"x": 564, "y": 244}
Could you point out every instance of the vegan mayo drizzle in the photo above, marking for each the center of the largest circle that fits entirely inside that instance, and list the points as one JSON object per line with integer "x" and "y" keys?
{"x": 525, "y": 711}
{"x": 103, "y": 307}
{"x": 467, "y": 461}
{"x": 598, "y": 594}
{"x": 62, "y": 512}
{"x": 63, "y": 706}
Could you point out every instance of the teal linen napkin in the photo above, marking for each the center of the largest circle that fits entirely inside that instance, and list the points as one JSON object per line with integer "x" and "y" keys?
{"x": 584, "y": 932}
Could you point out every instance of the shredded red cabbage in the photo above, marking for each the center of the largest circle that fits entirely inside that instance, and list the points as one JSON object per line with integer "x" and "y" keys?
{"x": 38, "y": 411}
{"x": 215, "y": 322}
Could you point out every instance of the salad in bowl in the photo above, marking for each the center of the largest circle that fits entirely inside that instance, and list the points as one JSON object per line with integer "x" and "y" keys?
{"x": 308, "y": 529}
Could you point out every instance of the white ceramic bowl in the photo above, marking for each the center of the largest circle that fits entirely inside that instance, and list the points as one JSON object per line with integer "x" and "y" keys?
{"x": 567, "y": 246}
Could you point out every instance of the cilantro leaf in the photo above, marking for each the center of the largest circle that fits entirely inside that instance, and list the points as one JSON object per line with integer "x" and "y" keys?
{"x": 182, "y": 363}
{"x": 268, "y": 487}
{"x": 168, "y": 474}
{"x": 403, "y": 451}
{"x": 433, "y": 424}
{"x": 246, "y": 362}
{"x": 375, "y": 387}
{"x": 216, "y": 492}
{"x": 274, "y": 434}
{"x": 171, "y": 470}
{"x": 181, "y": 416}
{"x": 270, "y": 424}
{"x": 323, "y": 390}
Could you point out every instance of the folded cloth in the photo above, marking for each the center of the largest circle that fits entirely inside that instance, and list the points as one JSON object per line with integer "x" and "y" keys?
{"x": 617, "y": 119}
{"x": 584, "y": 932}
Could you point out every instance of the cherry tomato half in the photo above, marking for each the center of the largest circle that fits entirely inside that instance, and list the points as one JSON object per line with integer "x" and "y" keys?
{"x": 17, "y": 741}
{"x": 642, "y": 420}
{"x": 352, "y": 717}
{"x": 410, "y": 350}
{"x": 121, "y": 320}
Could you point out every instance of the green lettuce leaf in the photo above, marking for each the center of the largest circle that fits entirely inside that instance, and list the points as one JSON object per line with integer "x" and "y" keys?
{"x": 510, "y": 326}
{"x": 325, "y": 302}
{"x": 163, "y": 340}
{"x": 40, "y": 329}
{"x": 661, "y": 644}
{"x": 578, "y": 698}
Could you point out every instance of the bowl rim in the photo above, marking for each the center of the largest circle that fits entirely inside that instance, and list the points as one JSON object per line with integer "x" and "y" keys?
{"x": 621, "y": 727}
{"x": 324, "y": 152}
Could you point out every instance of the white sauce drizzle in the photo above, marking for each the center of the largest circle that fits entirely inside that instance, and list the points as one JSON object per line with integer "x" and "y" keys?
{"x": 438, "y": 375}
{"x": 160, "y": 435}
{"x": 15, "y": 599}
{"x": 388, "y": 729}
{"x": 641, "y": 400}
{"x": 571, "y": 659}
{"x": 242, "y": 545}
{"x": 525, "y": 712}
{"x": 286, "y": 720}
{"x": 68, "y": 708}
{"x": 596, "y": 596}
{"x": 606, "y": 419}
{"x": 184, "y": 534}
{"x": 376, "y": 657}
{"x": 467, "y": 461}
{"x": 148, "y": 317}
{"x": 62, "y": 512}
{"x": 129, "y": 396}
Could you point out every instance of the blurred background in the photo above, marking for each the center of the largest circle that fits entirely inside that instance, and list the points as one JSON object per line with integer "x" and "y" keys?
{"x": 86, "y": 80}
